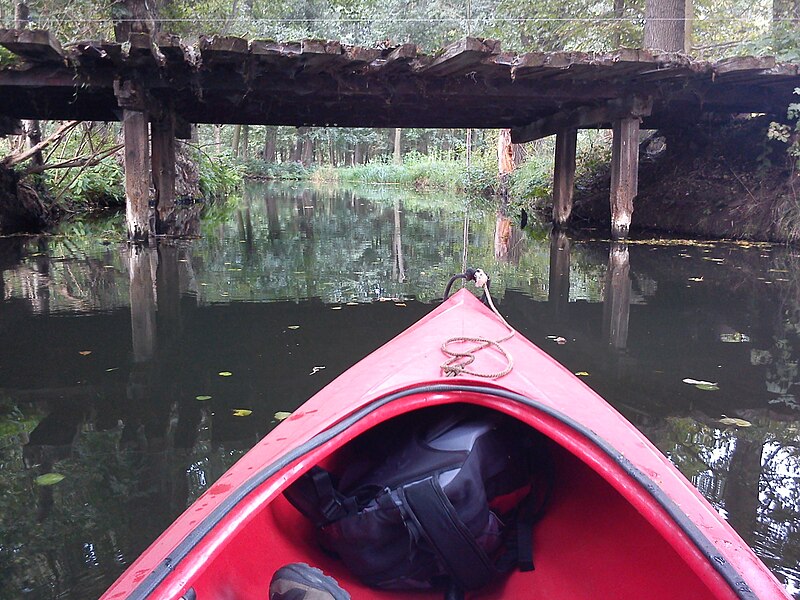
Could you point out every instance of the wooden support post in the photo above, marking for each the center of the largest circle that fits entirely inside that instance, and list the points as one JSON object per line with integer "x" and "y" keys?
{"x": 163, "y": 148}
{"x": 617, "y": 300}
{"x": 564, "y": 176}
{"x": 624, "y": 175}
{"x": 137, "y": 174}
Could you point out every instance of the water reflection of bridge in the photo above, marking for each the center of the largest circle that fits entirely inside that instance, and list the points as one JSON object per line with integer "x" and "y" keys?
{"x": 158, "y": 86}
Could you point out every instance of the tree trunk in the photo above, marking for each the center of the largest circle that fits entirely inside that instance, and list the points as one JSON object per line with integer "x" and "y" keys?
{"x": 398, "y": 149}
{"x": 664, "y": 26}
{"x": 270, "y": 142}
{"x": 133, "y": 16}
{"x": 237, "y": 134}
{"x": 619, "y": 12}
{"x": 244, "y": 151}
{"x": 307, "y": 155}
{"x": 688, "y": 26}
{"x": 422, "y": 144}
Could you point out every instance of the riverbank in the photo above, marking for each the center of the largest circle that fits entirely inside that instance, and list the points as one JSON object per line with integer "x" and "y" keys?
{"x": 712, "y": 181}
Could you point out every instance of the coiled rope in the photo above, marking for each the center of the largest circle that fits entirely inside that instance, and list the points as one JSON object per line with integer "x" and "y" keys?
{"x": 459, "y": 362}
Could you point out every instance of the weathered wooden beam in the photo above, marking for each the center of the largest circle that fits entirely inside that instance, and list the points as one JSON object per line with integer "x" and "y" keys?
{"x": 564, "y": 176}
{"x": 394, "y": 60}
{"x": 163, "y": 161}
{"x": 624, "y": 175}
{"x": 584, "y": 116}
{"x": 223, "y": 49}
{"x": 10, "y": 126}
{"x": 137, "y": 174}
{"x": 32, "y": 44}
{"x": 460, "y": 57}
{"x": 183, "y": 128}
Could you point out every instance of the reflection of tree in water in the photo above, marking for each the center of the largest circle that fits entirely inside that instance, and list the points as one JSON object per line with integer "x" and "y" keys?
{"x": 781, "y": 360}
{"x": 751, "y": 475}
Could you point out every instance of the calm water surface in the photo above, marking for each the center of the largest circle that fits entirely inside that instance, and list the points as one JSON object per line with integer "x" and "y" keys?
{"x": 110, "y": 364}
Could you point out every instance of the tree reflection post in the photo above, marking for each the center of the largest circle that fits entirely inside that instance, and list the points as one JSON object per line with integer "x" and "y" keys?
{"x": 399, "y": 267}
{"x": 558, "y": 288}
{"x": 143, "y": 264}
{"x": 617, "y": 297}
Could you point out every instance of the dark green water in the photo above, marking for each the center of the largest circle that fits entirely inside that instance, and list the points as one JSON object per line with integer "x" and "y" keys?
{"x": 105, "y": 350}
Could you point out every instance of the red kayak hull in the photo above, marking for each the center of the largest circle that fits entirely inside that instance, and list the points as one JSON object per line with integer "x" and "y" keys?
{"x": 624, "y": 523}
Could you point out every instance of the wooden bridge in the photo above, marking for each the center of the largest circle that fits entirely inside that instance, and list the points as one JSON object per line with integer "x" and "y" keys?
{"x": 166, "y": 84}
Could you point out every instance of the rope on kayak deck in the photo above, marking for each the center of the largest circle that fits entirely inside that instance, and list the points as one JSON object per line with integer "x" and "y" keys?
{"x": 459, "y": 362}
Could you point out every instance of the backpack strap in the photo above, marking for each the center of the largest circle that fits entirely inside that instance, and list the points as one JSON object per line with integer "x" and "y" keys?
{"x": 315, "y": 495}
{"x": 451, "y": 540}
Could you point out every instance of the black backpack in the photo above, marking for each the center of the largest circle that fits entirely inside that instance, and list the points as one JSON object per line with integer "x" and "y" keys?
{"x": 450, "y": 504}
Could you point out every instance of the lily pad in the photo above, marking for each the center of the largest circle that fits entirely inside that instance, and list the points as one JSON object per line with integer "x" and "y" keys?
{"x": 582, "y": 373}
{"x": 281, "y": 415}
{"x": 293, "y": 327}
{"x": 707, "y": 387}
{"x": 225, "y": 373}
{"x": 202, "y": 397}
{"x": 49, "y": 479}
{"x": 241, "y": 412}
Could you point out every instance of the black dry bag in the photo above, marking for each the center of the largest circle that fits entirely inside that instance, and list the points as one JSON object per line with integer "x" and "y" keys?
{"x": 452, "y": 503}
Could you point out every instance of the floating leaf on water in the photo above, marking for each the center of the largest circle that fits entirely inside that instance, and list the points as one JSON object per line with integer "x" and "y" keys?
{"x": 241, "y": 412}
{"x": 582, "y": 374}
{"x": 225, "y": 373}
{"x": 293, "y": 327}
{"x": 734, "y": 338}
{"x": 706, "y": 387}
{"x": 85, "y": 352}
{"x": 202, "y": 397}
{"x": 316, "y": 370}
{"x": 281, "y": 415}
{"x": 336, "y": 308}
{"x": 734, "y": 422}
{"x": 49, "y": 479}
{"x": 691, "y": 381}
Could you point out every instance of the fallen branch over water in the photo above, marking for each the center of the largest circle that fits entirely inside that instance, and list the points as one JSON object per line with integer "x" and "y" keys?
{"x": 15, "y": 159}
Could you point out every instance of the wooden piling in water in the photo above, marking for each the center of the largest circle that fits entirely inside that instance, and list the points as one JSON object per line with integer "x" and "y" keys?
{"x": 624, "y": 174}
{"x": 564, "y": 176}
{"x": 163, "y": 161}
{"x": 137, "y": 174}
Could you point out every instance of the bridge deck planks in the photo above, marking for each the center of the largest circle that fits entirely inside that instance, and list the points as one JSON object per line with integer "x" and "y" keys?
{"x": 471, "y": 83}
